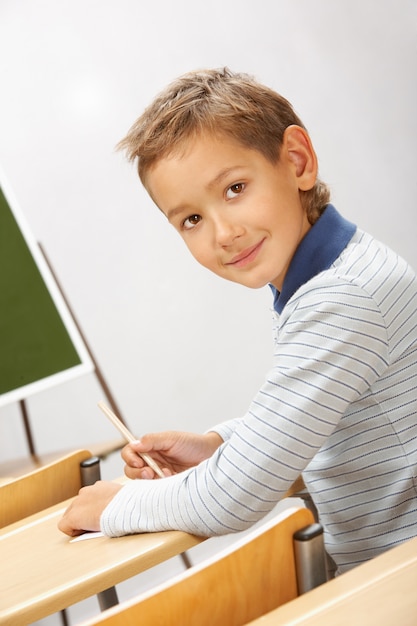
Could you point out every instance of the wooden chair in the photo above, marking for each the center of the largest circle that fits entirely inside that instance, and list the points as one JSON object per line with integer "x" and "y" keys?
{"x": 380, "y": 592}
{"x": 48, "y": 485}
{"x": 253, "y": 576}
{"x": 16, "y": 467}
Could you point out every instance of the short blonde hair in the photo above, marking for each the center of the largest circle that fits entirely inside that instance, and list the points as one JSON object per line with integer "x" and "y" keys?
{"x": 217, "y": 101}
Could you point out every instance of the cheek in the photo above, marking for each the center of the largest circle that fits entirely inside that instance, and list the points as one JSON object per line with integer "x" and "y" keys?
{"x": 197, "y": 250}
{"x": 205, "y": 257}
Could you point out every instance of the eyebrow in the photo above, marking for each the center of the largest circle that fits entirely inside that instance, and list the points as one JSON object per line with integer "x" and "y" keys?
{"x": 221, "y": 175}
{"x": 171, "y": 213}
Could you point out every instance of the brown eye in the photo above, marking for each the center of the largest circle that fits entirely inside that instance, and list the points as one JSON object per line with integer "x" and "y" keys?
{"x": 191, "y": 221}
{"x": 234, "y": 190}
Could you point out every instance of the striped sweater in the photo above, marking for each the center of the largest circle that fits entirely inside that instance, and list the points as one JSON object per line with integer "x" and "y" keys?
{"x": 339, "y": 405}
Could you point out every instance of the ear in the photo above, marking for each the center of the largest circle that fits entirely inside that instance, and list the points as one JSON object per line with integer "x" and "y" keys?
{"x": 301, "y": 156}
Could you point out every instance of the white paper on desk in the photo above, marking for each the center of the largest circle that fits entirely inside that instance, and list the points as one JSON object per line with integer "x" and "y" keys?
{"x": 87, "y": 536}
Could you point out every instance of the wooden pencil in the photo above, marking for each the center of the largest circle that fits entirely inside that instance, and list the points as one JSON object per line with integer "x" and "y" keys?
{"x": 129, "y": 437}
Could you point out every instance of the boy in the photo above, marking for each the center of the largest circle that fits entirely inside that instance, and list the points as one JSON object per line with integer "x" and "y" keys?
{"x": 233, "y": 169}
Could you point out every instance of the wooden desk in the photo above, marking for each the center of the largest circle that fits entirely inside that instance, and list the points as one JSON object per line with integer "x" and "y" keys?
{"x": 42, "y": 572}
{"x": 381, "y": 592}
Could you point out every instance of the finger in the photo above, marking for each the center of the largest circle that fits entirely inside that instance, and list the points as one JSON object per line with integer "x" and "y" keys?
{"x": 132, "y": 472}
{"x": 147, "y": 473}
{"x": 160, "y": 441}
{"x": 66, "y": 527}
{"x": 131, "y": 456}
{"x": 144, "y": 473}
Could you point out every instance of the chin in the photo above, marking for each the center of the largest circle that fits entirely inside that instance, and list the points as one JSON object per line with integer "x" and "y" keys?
{"x": 251, "y": 284}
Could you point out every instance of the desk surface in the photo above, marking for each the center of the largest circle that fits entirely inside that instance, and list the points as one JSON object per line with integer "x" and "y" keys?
{"x": 42, "y": 571}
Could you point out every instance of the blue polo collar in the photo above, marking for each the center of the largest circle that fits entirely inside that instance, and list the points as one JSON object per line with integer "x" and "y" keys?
{"x": 320, "y": 247}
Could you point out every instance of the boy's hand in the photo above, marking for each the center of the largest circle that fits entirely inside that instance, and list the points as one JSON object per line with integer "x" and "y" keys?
{"x": 85, "y": 511}
{"x": 174, "y": 452}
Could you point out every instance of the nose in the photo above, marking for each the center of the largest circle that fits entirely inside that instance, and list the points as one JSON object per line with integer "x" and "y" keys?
{"x": 226, "y": 230}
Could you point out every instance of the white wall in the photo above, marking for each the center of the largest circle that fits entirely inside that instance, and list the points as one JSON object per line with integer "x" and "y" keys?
{"x": 180, "y": 348}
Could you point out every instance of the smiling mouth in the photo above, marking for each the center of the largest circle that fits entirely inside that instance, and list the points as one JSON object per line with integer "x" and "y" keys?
{"x": 247, "y": 256}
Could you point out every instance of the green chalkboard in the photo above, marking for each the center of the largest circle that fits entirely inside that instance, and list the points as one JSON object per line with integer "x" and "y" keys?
{"x": 39, "y": 342}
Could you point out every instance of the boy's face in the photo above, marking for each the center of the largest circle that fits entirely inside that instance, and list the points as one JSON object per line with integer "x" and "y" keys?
{"x": 239, "y": 214}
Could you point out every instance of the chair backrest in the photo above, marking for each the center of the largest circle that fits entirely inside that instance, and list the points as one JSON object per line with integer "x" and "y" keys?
{"x": 42, "y": 488}
{"x": 379, "y": 592}
{"x": 253, "y": 576}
